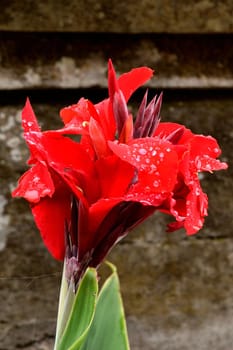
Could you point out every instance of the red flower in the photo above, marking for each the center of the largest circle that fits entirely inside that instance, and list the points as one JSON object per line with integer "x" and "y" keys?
{"x": 196, "y": 153}
{"x": 119, "y": 173}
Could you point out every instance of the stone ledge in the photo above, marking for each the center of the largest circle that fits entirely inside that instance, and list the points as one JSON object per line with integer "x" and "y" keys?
{"x": 80, "y": 61}
{"x": 132, "y": 17}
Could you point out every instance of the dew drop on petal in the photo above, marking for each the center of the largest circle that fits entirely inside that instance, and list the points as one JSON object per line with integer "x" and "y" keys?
{"x": 198, "y": 163}
{"x": 32, "y": 195}
{"x": 36, "y": 179}
{"x": 168, "y": 149}
{"x": 197, "y": 192}
{"x": 161, "y": 154}
{"x": 156, "y": 183}
{"x": 147, "y": 160}
{"x": 153, "y": 167}
{"x": 142, "y": 151}
{"x": 45, "y": 192}
{"x": 208, "y": 167}
{"x": 154, "y": 153}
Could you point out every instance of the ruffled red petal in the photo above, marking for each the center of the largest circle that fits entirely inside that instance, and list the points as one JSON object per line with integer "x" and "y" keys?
{"x": 155, "y": 160}
{"x": 35, "y": 184}
{"x": 129, "y": 82}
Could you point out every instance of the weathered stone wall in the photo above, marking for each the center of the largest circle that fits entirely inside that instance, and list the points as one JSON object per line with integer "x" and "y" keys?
{"x": 118, "y": 16}
{"x": 54, "y": 60}
{"x": 178, "y": 290}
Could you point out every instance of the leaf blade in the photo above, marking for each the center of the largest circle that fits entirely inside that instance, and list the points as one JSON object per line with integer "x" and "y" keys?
{"x": 108, "y": 329}
{"x": 82, "y": 312}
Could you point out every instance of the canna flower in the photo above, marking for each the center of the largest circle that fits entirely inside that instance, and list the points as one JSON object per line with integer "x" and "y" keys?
{"x": 120, "y": 172}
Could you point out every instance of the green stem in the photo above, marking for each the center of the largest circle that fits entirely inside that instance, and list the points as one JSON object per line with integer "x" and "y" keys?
{"x": 66, "y": 300}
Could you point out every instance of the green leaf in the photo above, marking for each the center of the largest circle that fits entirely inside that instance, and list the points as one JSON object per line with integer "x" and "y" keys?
{"x": 108, "y": 329}
{"x": 81, "y": 314}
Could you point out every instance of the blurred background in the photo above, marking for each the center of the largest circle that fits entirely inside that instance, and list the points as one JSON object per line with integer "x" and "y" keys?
{"x": 177, "y": 290}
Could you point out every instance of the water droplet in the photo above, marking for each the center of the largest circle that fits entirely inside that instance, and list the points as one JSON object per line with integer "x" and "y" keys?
{"x": 198, "y": 163}
{"x": 156, "y": 183}
{"x": 32, "y": 195}
{"x": 153, "y": 167}
{"x": 197, "y": 192}
{"x": 154, "y": 153}
{"x": 208, "y": 167}
{"x": 29, "y": 124}
{"x": 36, "y": 179}
{"x": 161, "y": 154}
{"x": 147, "y": 160}
{"x": 216, "y": 150}
{"x": 168, "y": 149}
{"x": 45, "y": 192}
{"x": 142, "y": 151}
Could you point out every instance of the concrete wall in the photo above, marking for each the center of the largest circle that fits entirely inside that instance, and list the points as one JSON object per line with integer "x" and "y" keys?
{"x": 178, "y": 290}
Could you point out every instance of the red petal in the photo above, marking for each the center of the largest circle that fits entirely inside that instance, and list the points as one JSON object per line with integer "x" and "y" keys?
{"x": 50, "y": 215}
{"x": 76, "y": 117}
{"x": 190, "y": 209}
{"x": 173, "y": 226}
{"x": 197, "y": 204}
{"x": 144, "y": 195}
{"x": 29, "y": 121}
{"x": 69, "y": 159}
{"x": 112, "y": 80}
{"x": 98, "y": 139}
{"x": 114, "y": 175}
{"x": 61, "y": 152}
{"x": 97, "y": 213}
{"x": 131, "y": 81}
{"x": 155, "y": 160}
{"x": 88, "y": 146}
{"x": 35, "y": 184}
{"x": 106, "y": 118}
{"x": 204, "y": 150}
{"x": 205, "y": 163}
{"x": 165, "y": 129}
{"x": 204, "y": 145}
{"x": 127, "y": 130}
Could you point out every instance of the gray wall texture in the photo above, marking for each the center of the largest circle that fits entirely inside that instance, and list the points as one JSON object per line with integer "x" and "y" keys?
{"x": 177, "y": 290}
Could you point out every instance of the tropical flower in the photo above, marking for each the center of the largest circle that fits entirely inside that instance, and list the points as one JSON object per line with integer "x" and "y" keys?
{"x": 120, "y": 172}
